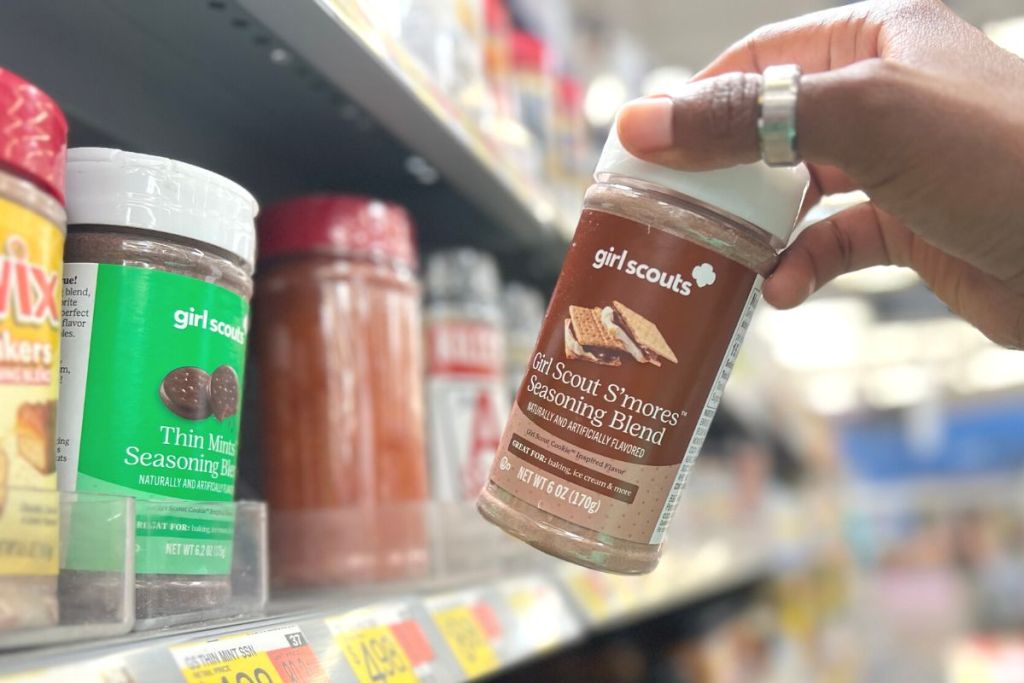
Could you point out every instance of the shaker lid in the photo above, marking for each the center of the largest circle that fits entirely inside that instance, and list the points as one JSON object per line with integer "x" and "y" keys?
{"x": 33, "y": 134}
{"x": 463, "y": 274}
{"x": 111, "y": 187}
{"x": 767, "y": 197}
{"x": 352, "y": 224}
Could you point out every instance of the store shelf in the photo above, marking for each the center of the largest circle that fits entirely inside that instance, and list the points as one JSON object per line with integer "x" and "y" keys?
{"x": 447, "y": 630}
{"x": 387, "y": 81}
{"x": 284, "y": 98}
{"x": 440, "y": 636}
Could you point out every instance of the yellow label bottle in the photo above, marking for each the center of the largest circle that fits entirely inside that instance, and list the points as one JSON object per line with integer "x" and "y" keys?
{"x": 33, "y": 143}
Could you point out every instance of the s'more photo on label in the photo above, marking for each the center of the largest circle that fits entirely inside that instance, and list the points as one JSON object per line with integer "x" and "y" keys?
{"x": 613, "y": 333}
{"x": 609, "y": 415}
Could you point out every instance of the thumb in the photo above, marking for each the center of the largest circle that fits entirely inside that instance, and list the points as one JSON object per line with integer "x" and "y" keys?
{"x": 843, "y": 118}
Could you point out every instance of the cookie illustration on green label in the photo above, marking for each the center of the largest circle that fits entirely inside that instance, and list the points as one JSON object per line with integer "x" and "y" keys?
{"x": 224, "y": 392}
{"x": 186, "y": 392}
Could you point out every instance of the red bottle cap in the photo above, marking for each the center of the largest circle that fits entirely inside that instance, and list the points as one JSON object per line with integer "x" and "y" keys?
{"x": 496, "y": 16}
{"x": 352, "y": 225}
{"x": 571, "y": 92}
{"x": 33, "y": 134}
{"x": 529, "y": 51}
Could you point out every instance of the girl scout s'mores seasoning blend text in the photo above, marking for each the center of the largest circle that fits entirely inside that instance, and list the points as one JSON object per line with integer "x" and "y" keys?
{"x": 654, "y": 298}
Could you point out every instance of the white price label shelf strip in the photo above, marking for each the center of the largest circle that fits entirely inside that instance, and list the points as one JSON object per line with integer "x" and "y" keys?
{"x": 105, "y": 670}
{"x": 539, "y": 615}
{"x": 271, "y": 656}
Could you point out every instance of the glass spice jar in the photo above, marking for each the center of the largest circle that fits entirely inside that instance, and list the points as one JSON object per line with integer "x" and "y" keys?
{"x": 339, "y": 357}
{"x": 655, "y": 295}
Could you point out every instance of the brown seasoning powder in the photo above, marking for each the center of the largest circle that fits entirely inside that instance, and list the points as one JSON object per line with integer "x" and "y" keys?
{"x": 158, "y": 594}
{"x": 706, "y": 227}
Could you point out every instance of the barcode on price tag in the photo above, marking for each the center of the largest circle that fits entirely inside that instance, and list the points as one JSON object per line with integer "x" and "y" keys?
{"x": 470, "y": 628}
{"x": 383, "y": 644}
{"x": 280, "y": 655}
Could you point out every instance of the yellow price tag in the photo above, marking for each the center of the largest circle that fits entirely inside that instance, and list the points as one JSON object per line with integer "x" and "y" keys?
{"x": 467, "y": 639}
{"x": 254, "y": 669}
{"x": 376, "y": 656}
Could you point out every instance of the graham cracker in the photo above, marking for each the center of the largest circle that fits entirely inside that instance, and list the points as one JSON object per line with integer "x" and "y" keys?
{"x": 644, "y": 332}
{"x": 572, "y": 354}
{"x": 590, "y": 332}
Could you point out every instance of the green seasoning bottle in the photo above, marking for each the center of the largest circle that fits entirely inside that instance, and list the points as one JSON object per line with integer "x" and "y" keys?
{"x": 157, "y": 279}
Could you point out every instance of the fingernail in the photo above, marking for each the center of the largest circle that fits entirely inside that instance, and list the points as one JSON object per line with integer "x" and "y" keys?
{"x": 645, "y": 125}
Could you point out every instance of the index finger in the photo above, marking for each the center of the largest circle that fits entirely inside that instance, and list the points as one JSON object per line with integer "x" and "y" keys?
{"x": 821, "y": 41}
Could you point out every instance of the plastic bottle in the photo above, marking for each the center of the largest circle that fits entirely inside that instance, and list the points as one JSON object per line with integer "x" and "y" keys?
{"x": 649, "y": 312}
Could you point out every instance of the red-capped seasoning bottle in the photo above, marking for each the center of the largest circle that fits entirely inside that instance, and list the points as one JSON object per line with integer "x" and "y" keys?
{"x": 655, "y": 295}
{"x": 338, "y": 344}
{"x": 33, "y": 147}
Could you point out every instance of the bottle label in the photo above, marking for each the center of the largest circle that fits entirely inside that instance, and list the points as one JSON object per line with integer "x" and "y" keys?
{"x": 151, "y": 380}
{"x": 637, "y": 343}
{"x": 31, "y": 250}
{"x": 467, "y": 401}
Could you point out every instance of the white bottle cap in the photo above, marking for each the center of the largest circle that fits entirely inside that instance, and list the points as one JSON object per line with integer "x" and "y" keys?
{"x": 769, "y": 198}
{"x": 111, "y": 187}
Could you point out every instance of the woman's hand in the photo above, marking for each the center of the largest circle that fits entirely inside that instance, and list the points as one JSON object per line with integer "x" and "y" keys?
{"x": 901, "y": 99}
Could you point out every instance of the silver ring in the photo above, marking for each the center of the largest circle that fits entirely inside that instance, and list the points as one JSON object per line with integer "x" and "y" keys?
{"x": 776, "y": 122}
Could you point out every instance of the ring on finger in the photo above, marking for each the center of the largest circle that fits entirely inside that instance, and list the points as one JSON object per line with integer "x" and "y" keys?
{"x": 776, "y": 121}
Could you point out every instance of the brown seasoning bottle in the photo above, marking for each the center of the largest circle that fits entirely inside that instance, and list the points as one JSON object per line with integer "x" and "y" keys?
{"x": 655, "y": 295}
